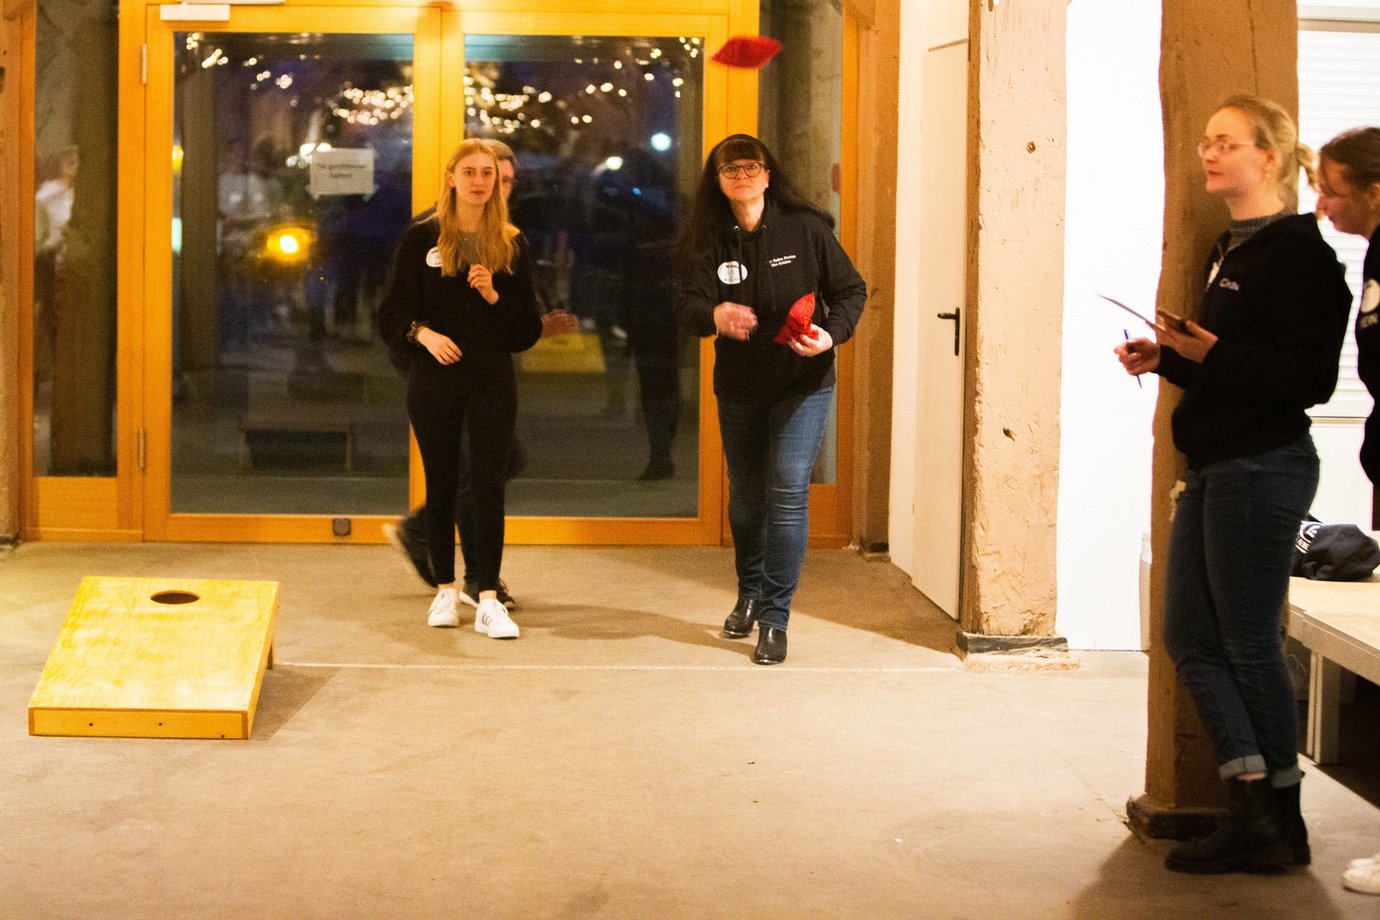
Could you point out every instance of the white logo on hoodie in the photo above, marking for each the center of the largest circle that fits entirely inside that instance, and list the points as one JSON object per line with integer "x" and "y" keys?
{"x": 732, "y": 272}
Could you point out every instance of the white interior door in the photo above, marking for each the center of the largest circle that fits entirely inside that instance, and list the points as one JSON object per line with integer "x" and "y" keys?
{"x": 939, "y": 401}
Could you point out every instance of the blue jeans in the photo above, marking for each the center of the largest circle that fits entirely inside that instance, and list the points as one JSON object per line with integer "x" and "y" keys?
{"x": 1230, "y": 554}
{"x": 771, "y": 450}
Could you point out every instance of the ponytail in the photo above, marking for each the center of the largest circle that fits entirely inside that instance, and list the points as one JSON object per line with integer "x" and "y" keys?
{"x": 1308, "y": 162}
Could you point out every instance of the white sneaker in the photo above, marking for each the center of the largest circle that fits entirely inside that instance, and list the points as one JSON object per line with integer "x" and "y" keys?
{"x": 1364, "y": 861}
{"x": 1365, "y": 879}
{"x": 491, "y": 619}
{"x": 443, "y": 612}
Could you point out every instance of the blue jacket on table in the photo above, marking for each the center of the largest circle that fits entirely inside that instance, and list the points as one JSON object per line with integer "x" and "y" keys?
{"x": 791, "y": 253}
{"x": 1278, "y": 304}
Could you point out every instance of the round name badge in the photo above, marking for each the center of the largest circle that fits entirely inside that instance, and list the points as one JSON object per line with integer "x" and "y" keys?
{"x": 732, "y": 272}
{"x": 1370, "y": 296}
{"x": 433, "y": 257}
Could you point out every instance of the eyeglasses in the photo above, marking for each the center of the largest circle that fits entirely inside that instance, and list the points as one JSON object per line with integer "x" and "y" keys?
{"x": 734, "y": 170}
{"x": 1220, "y": 147}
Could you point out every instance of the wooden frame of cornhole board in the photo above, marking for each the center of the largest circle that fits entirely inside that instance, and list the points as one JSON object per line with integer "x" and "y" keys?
{"x": 158, "y": 658}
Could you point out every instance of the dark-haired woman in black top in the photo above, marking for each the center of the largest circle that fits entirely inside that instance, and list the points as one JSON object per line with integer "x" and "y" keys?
{"x": 760, "y": 269}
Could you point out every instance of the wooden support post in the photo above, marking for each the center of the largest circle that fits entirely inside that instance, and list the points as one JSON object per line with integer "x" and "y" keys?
{"x": 1208, "y": 52}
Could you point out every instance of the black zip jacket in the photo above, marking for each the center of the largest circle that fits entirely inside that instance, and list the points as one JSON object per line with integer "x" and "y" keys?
{"x": 1368, "y": 355}
{"x": 1279, "y": 306}
{"x": 418, "y": 293}
{"x": 789, "y": 255}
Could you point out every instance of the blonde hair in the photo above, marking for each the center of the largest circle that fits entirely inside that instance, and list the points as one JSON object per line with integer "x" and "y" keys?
{"x": 497, "y": 238}
{"x": 1275, "y": 130}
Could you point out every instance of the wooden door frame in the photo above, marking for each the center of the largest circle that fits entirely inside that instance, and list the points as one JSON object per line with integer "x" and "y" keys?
{"x": 423, "y": 22}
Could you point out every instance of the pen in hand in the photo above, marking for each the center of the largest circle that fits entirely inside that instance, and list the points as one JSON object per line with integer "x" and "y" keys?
{"x": 1127, "y": 335}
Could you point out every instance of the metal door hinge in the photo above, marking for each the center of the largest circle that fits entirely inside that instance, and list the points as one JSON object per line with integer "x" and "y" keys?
{"x": 141, "y": 448}
{"x": 144, "y": 64}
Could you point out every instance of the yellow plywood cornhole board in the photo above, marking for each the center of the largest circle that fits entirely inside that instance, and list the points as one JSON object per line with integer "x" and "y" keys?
{"x": 158, "y": 658}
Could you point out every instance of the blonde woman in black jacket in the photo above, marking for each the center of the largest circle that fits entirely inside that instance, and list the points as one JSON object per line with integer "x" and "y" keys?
{"x": 459, "y": 304}
{"x": 1262, "y": 349}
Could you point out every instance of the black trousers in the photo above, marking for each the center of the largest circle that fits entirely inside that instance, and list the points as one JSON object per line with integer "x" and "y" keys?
{"x": 475, "y": 397}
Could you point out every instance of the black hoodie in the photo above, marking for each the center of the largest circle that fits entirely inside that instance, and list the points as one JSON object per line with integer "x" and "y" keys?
{"x": 791, "y": 253}
{"x": 1278, "y": 304}
{"x": 1368, "y": 355}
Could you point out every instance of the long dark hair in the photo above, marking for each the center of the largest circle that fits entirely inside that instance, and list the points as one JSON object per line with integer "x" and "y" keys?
{"x": 710, "y": 213}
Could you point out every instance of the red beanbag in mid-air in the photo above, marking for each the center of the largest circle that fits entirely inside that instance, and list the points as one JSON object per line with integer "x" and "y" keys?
{"x": 747, "y": 51}
{"x": 798, "y": 320}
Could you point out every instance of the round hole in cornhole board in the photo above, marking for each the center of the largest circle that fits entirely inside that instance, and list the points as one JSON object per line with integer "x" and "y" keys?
{"x": 174, "y": 597}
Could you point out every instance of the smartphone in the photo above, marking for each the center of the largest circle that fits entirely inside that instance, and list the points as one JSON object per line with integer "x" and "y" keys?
{"x": 1172, "y": 320}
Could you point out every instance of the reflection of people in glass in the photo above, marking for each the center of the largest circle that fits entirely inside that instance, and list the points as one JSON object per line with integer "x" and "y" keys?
{"x": 654, "y": 341}
{"x": 409, "y": 534}
{"x": 1263, "y": 349}
{"x": 1349, "y": 195}
{"x": 459, "y": 304}
{"x": 248, "y": 195}
{"x": 52, "y": 211}
{"x": 363, "y": 233}
{"x": 750, "y": 250}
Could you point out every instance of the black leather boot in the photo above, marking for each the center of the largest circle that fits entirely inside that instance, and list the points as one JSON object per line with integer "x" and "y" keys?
{"x": 1249, "y": 839}
{"x": 771, "y": 646}
{"x": 1291, "y": 822}
{"x": 742, "y": 619}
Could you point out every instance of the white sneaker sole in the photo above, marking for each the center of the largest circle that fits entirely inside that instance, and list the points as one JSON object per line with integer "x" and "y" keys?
{"x": 441, "y": 621}
{"x": 1363, "y": 880}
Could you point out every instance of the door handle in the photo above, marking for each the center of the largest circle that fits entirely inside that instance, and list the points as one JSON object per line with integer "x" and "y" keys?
{"x": 955, "y": 317}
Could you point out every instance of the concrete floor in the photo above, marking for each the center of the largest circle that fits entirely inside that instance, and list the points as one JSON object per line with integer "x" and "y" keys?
{"x": 621, "y": 759}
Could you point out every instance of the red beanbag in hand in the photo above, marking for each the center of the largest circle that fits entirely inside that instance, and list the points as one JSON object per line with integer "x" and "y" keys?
{"x": 798, "y": 320}
{"x": 747, "y": 51}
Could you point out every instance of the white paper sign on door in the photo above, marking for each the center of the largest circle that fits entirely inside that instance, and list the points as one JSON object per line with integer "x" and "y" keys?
{"x": 342, "y": 171}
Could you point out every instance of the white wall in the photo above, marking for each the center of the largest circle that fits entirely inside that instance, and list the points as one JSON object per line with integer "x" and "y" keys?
{"x": 1113, "y": 235}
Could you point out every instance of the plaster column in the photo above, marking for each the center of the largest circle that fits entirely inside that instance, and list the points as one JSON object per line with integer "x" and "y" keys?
{"x": 1208, "y": 52}
{"x": 1013, "y": 321}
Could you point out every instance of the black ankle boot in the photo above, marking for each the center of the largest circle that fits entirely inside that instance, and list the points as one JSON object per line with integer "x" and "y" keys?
{"x": 1286, "y": 800}
{"x": 1250, "y": 838}
{"x": 771, "y": 646}
{"x": 743, "y": 618}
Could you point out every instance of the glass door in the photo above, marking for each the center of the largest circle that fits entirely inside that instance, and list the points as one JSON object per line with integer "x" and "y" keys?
{"x": 285, "y": 150}
{"x": 290, "y": 153}
{"x": 607, "y": 120}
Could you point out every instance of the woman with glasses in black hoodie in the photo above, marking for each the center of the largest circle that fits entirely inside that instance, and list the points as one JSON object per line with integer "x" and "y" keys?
{"x": 1261, "y": 348}
{"x": 759, "y": 268}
